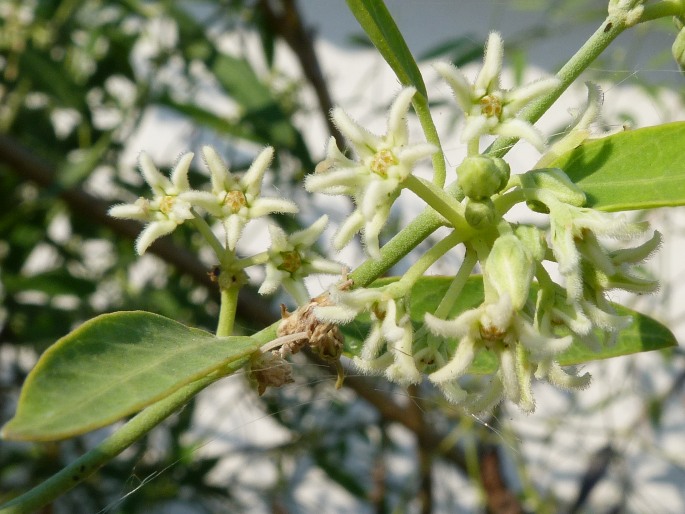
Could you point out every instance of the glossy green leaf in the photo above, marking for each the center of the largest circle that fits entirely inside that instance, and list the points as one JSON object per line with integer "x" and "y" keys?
{"x": 634, "y": 169}
{"x": 115, "y": 365}
{"x": 375, "y": 19}
{"x": 644, "y": 334}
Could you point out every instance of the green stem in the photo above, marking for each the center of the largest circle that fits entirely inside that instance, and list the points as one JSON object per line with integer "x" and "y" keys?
{"x": 408, "y": 238}
{"x": 89, "y": 463}
{"x": 436, "y": 198}
{"x": 205, "y": 230}
{"x": 454, "y": 290}
{"x": 229, "y": 304}
{"x": 260, "y": 258}
{"x": 663, "y": 9}
{"x": 423, "y": 112}
{"x": 416, "y": 271}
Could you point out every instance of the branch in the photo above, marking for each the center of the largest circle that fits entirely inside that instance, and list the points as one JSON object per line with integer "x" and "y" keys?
{"x": 288, "y": 24}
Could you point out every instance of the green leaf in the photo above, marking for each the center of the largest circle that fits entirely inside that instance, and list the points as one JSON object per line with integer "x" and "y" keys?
{"x": 644, "y": 334}
{"x": 115, "y": 365}
{"x": 634, "y": 169}
{"x": 375, "y": 19}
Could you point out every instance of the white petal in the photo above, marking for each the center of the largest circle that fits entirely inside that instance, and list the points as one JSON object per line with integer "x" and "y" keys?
{"x": 488, "y": 78}
{"x": 371, "y": 231}
{"x": 514, "y": 127}
{"x": 234, "y": 225}
{"x": 318, "y": 264}
{"x": 375, "y": 365}
{"x": 179, "y": 175}
{"x": 461, "y": 87}
{"x": 474, "y": 127}
{"x": 397, "y": 118}
{"x": 507, "y": 372}
{"x": 376, "y": 196}
{"x": 252, "y": 180}
{"x": 297, "y": 290}
{"x": 274, "y": 278}
{"x": 457, "y": 366}
{"x": 516, "y": 99}
{"x": 263, "y": 206}
{"x": 336, "y": 181}
{"x": 373, "y": 343}
{"x": 605, "y": 320}
{"x": 279, "y": 239}
{"x": 365, "y": 143}
{"x": 157, "y": 182}
{"x": 453, "y": 392}
{"x": 335, "y": 313}
{"x": 410, "y": 154}
{"x": 153, "y": 231}
{"x": 205, "y": 200}
{"x": 308, "y": 236}
{"x": 217, "y": 169}
{"x": 560, "y": 378}
{"x": 454, "y": 328}
{"x": 129, "y": 211}
{"x": 347, "y": 230}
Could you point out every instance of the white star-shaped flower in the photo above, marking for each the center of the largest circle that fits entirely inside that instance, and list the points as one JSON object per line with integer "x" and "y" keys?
{"x": 236, "y": 199}
{"x": 518, "y": 344}
{"x": 375, "y": 179}
{"x": 488, "y": 108}
{"x": 168, "y": 208}
{"x": 291, "y": 259}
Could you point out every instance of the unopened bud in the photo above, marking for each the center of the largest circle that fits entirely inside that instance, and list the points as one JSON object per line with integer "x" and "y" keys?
{"x": 534, "y": 240}
{"x": 556, "y": 182}
{"x": 479, "y": 213}
{"x": 509, "y": 269}
{"x": 481, "y": 177}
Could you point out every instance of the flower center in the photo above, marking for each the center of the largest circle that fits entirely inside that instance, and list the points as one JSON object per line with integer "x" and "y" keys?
{"x": 491, "y": 106}
{"x": 235, "y": 200}
{"x": 166, "y": 204}
{"x": 492, "y": 333}
{"x": 382, "y": 161}
{"x": 292, "y": 261}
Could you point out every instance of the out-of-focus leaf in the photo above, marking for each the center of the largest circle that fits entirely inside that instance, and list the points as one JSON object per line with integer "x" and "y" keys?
{"x": 53, "y": 282}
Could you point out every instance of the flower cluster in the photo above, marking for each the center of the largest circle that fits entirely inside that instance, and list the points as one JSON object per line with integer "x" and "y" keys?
{"x": 233, "y": 201}
{"x": 526, "y": 320}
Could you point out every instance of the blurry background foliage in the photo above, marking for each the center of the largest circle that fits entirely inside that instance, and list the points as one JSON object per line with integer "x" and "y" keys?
{"x": 80, "y": 82}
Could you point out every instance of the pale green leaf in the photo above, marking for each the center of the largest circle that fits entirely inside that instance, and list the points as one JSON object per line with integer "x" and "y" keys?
{"x": 113, "y": 366}
{"x": 634, "y": 169}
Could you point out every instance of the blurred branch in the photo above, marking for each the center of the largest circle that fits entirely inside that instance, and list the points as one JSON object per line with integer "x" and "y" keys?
{"x": 287, "y": 23}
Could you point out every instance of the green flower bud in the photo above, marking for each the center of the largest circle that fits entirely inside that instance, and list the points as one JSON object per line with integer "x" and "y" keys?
{"x": 481, "y": 177}
{"x": 678, "y": 49}
{"x": 479, "y": 213}
{"x": 556, "y": 182}
{"x": 509, "y": 269}
{"x": 534, "y": 241}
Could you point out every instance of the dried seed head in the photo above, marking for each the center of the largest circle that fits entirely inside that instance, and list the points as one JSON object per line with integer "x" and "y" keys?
{"x": 324, "y": 338}
{"x": 270, "y": 370}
